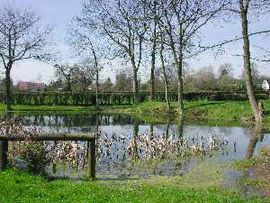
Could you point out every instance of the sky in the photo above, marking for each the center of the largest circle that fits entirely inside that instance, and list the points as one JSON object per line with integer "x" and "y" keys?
{"x": 59, "y": 13}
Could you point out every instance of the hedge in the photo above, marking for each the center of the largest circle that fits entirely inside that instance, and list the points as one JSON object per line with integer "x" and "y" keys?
{"x": 118, "y": 98}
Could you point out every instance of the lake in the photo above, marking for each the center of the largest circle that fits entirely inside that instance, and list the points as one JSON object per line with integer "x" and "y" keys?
{"x": 128, "y": 148}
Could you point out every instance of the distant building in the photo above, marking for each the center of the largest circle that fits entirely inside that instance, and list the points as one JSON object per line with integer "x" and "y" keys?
{"x": 30, "y": 86}
{"x": 266, "y": 85}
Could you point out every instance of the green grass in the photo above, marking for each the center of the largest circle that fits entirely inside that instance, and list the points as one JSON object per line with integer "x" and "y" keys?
{"x": 16, "y": 186}
{"x": 27, "y": 108}
{"x": 260, "y": 171}
{"x": 213, "y": 110}
{"x": 245, "y": 164}
{"x": 230, "y": 111}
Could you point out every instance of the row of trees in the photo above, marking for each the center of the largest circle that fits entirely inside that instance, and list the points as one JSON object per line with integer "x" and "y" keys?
{"x": 154, "y": 33}
{"x": 80, "y": 78}
{"x": 170, "y": 31}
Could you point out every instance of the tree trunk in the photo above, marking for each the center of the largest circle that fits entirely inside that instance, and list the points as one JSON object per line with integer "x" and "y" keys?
{"x": 153, "y": 66}
{"x": 152, "y": 80}
{"x": 135, "y": 85}
{"x": 247, "y": 65}
{"x": 180, "y": 86}
{"x": 166, "y": 81}
{"x": 97, "y": 89}
{"x": 153, "y": 54}
{"x": 181, "y": 127}
{"x": 69, "y": 86}
{"x": 167, "y": 95}
{"x": 8, "y": 89}
{"x": 97, "y": 74}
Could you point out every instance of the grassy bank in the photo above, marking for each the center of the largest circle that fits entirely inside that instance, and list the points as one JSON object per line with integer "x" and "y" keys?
{"x": 18, "y": 186}
{"x": 40, "y": 109}
{"x": 257, "y": 171}
{"x": 239, "y": 111}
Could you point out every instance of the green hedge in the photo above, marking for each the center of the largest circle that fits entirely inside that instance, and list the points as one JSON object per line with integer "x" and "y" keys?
{"x": 117, "y": 98}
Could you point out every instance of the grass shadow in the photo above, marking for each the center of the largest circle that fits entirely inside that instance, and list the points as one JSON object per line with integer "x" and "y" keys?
{"x": 205, "y": 104}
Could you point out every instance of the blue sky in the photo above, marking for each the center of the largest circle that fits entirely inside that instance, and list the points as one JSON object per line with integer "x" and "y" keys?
{"x": 60, "y": 12}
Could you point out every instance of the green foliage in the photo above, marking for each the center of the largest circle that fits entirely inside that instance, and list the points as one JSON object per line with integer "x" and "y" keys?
{"x": 27, "y": 188}
{"x": 88, "y": 98}
{"x": 123, "y": 82}
{"x": 213, "y": 110}
{"x": 31, "y": 152}
{"x": 245, "y": 164}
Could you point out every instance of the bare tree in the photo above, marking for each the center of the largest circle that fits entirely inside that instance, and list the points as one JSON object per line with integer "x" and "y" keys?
{"x": 66, "y": 72}
{"x": 182, "y": 21}
{"x": 245, "y": 8}
{"x": 82, "y": 35}
{"x": 151, "y": 37}
{"x": 83, "y": 75}
{"x": 122, "y": 22}
{"x": 154, "y": 47}
{"x": 93, "y": 68}
{"x": 20, "y": 39}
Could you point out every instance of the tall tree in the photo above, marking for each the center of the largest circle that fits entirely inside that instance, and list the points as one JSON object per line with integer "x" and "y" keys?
{"x": 244, "y": 8}
{"x": 182, "y": 20}
{"x": 151, "y": 19}
{"x": 84, "y": 75}
{"x": 94, "y": 68}
{"x": 21, "y": 38}
{"x": 165, "y": 75}
{"x": 81, "y": 38}
{"x": 122, "y": 22}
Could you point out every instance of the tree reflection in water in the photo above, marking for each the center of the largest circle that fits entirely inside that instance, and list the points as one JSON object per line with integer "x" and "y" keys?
{"x": 256, "y": 135}
{"x": 133, "y": 149}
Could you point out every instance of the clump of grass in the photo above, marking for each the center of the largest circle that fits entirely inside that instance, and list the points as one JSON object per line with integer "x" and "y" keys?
{"x": 260, "y": 171}
{"x": 245, "y": 164}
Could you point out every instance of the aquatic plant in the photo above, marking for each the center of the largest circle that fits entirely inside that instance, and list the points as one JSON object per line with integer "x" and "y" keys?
{"x": 146, "y": 147}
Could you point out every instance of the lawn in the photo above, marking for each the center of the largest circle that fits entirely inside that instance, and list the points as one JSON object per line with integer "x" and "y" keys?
{"x": 16, "y": 186}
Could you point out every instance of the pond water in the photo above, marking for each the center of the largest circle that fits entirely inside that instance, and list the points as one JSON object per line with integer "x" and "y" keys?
{"x": 130, "y": 148}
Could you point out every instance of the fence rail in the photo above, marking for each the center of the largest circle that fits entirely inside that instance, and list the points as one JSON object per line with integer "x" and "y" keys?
{"x": 118, "y": 98}
{"x": 51, "y": 137}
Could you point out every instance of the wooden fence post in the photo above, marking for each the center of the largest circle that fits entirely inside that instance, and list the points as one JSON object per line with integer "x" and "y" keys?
{"x": 3, "y": 154}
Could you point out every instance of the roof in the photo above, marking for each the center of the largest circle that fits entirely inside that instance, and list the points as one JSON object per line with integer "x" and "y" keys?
{"x": 30, "y": 85}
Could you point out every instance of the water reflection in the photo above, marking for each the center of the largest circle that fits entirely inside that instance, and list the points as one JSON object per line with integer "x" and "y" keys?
{"x": 257, "y": 135}
{"x": 76, "y": 120}
{"x": 126, "y": 147}
{"x": 73, "y": 154}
